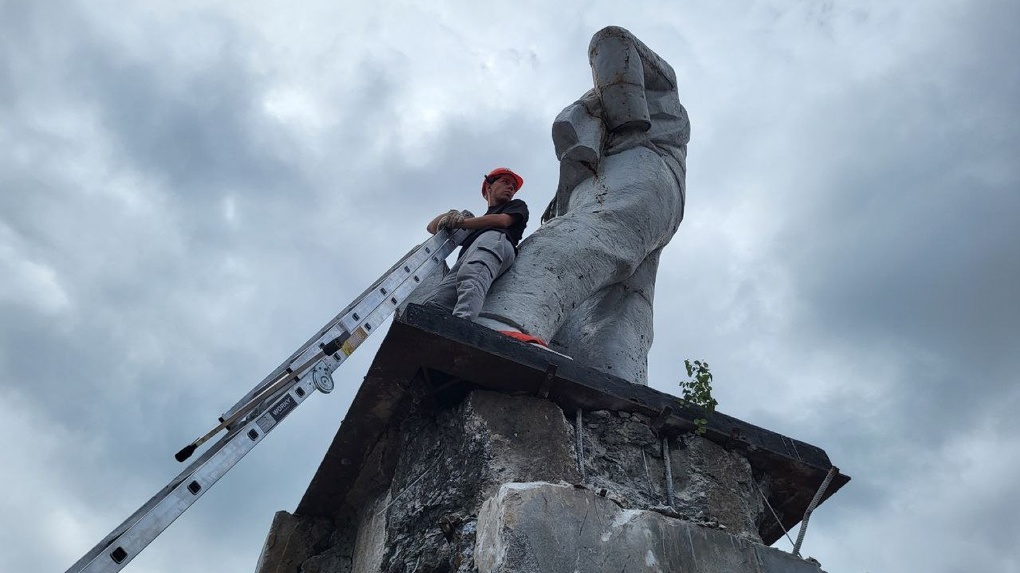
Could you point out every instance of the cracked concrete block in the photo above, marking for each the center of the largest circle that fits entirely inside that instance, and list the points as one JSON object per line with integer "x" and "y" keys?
{"x": 547, "y": 528}
{"x": 710, "y": 484}
{"x": 291, "y": 541}
{"x": 451, "y": 461}
{"x": 370, "y": 541}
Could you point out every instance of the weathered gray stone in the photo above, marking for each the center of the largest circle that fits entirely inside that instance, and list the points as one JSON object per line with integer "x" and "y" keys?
{"x": 336, "y": 555}
{"x": 490, "y": 483}
{"x": 716, "y": 487}
{"x": 292, "y": 540}
{"x": 530, "y": 439}
{"x": 585, "y": 280}
{"x": 430, "y": 358}
{"x": 623, "y": 455}
{"x": 548, "y": 528}
{"x": 711, "y": 486}
{"x": 370, "y": 542}
{"x": 452, "y": 461}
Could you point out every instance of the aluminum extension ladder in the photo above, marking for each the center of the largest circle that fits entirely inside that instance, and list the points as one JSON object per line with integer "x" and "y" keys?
{"x": 309, "y": 369}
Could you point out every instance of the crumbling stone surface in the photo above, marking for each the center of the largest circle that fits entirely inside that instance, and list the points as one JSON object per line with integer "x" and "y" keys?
{"x": 623, "y": 455}
{"x": 335, "y": 556}
{"x": 716, "y": 487}
{"x": 542, "y": 527}
{"x": 370, "y": 543}
{"x": 586, "y": 278}
{"x": 711, "y": 486}
{"x": 292, "y": 541}
{"x": 454, "y": 459}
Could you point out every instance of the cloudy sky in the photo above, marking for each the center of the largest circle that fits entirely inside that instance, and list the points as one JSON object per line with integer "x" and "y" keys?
{"x": 190, "y": 189}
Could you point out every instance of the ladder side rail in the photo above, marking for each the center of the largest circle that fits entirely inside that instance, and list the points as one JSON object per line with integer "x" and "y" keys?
{"x": 378, "y": 306}
{"x": 149, "y": 521}
{"x": 145, "y": 508}
{"x": 383, "y": 310}
{"x": 387, "y": 293}
{"x": 402, "y": 279}
{"x": 431, "y": 253}
{"x": 115, "y": 552}
{"x": 440, "y": 242}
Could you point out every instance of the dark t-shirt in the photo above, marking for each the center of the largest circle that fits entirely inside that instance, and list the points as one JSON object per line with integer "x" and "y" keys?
{"x": 515, "y": 208}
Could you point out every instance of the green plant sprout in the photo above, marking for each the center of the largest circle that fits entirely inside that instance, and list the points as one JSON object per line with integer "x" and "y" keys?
{"x": 697, "y": 392}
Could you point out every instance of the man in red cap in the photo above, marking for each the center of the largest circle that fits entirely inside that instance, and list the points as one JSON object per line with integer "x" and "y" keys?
{"x": 488, "y": 251}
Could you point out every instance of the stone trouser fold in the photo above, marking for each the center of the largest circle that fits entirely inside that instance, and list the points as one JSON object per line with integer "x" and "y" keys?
{"x": 602, "y": 253}
{"x": 585, "y": 281}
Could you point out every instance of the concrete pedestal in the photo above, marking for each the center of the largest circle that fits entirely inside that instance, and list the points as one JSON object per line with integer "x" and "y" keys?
{"x": 438, "y": 469}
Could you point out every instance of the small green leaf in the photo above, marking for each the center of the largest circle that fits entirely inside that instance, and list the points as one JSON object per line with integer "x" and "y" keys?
{"x": 696, "y": 392}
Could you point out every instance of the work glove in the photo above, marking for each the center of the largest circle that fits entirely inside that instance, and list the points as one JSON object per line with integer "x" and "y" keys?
{"x": 454, "y": 220}
{"x": 446, "y": 221}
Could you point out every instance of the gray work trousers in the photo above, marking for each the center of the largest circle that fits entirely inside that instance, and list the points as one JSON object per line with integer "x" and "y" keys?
{"x": 464, "y": 288}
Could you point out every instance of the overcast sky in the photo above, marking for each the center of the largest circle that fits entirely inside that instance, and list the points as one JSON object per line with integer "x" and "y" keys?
{"x": 190, "y": 189}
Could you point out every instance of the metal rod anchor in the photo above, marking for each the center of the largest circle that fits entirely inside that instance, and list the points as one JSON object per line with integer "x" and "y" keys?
{"x": 811, "y": 507}
{"x": 669, "y": 471}
{"x": 580, "y": 446}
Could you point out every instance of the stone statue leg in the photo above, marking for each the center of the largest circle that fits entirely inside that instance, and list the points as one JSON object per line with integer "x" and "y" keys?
{"x": 612, "y": 330}
{"x": 613, "y": 223}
